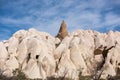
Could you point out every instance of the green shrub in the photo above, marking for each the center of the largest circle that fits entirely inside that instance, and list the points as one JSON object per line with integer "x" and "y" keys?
{"x": 19, "y": 75}
{"x": 84, "y": 77}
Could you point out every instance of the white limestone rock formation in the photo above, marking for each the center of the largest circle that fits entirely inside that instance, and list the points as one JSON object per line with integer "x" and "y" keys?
{"x": 40, "y": 55}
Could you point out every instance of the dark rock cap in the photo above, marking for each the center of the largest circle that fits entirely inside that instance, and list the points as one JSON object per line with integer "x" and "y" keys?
{"x": 62, "y": 31}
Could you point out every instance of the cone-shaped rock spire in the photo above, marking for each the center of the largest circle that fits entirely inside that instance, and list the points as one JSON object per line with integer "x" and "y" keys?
{"x": 62, "y": 31}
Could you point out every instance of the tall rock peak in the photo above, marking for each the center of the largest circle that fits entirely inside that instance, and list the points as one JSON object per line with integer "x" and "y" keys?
{"x": 62, "y": 31}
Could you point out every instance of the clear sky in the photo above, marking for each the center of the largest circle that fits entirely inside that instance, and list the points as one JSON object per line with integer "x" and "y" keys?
{"x": 47, "y": 15}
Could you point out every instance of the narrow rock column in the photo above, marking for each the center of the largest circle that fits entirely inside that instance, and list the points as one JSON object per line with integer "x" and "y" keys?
{"x": 62, "y": 31}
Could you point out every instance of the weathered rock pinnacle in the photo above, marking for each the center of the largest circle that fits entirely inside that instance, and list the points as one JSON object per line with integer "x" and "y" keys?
{"x": 62, "y": 31}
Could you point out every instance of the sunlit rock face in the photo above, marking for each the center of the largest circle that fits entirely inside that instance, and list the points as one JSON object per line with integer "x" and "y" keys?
{"x": 40, "y": 55}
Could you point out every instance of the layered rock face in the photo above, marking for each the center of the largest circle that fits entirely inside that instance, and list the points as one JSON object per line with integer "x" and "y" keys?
{"x": 40, "y": 55}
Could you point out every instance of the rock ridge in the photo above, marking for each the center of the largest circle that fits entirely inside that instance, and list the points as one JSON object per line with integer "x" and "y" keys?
{"x": 83, "y": 51}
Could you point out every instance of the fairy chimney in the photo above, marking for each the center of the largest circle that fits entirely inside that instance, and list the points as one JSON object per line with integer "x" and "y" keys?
{"x": 62, "y": 31}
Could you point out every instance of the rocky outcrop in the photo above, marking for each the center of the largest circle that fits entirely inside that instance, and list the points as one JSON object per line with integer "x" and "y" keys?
{"x": 84, "y": 51}
{"x": 62, "y": 31}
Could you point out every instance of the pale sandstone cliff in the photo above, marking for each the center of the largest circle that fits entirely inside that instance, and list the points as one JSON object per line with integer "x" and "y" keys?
{"x": 40, "y": 55}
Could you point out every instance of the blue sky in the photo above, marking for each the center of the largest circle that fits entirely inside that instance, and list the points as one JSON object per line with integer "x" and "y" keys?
{"x": 46, "y": 15}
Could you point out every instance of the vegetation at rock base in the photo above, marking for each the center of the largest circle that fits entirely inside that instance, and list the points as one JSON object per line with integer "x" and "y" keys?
{"x": 18, "y": 75}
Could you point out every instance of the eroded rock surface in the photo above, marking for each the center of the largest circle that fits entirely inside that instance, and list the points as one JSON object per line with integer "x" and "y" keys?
{"x": 36, "y": 54}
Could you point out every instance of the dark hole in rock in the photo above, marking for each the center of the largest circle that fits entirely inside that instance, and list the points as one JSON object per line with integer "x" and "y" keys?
{"x": 8, "y": 58}
{"x": 37, "y": 56}
{"x": 46, "y": 37}
{"x": 118, "y": 64}
{"x": 111, "y": 61}
{"x": 97, "y": 52}
{"x": 7, "y": 48}
{"x": 35, "y": 36}
{"x": 28, "y": 57}
{"x": 118, "y": 71}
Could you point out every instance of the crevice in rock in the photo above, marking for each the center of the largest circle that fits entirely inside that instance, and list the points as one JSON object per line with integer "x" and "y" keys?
{"x": 105, "y": 51}
{"x": 20, "y": 39}
{"x": 118, "y": 71}
{"x": 7, "y": 48}
{"x": 99, "y": 69}
{"x": 57, "y": 63}
{"x": 111, "y": 61}
{"x": 28, "y": 57}
{"x": 98, "y": 50}
{"x": 104, "y": 54}
{"x": 56, "y": 45}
